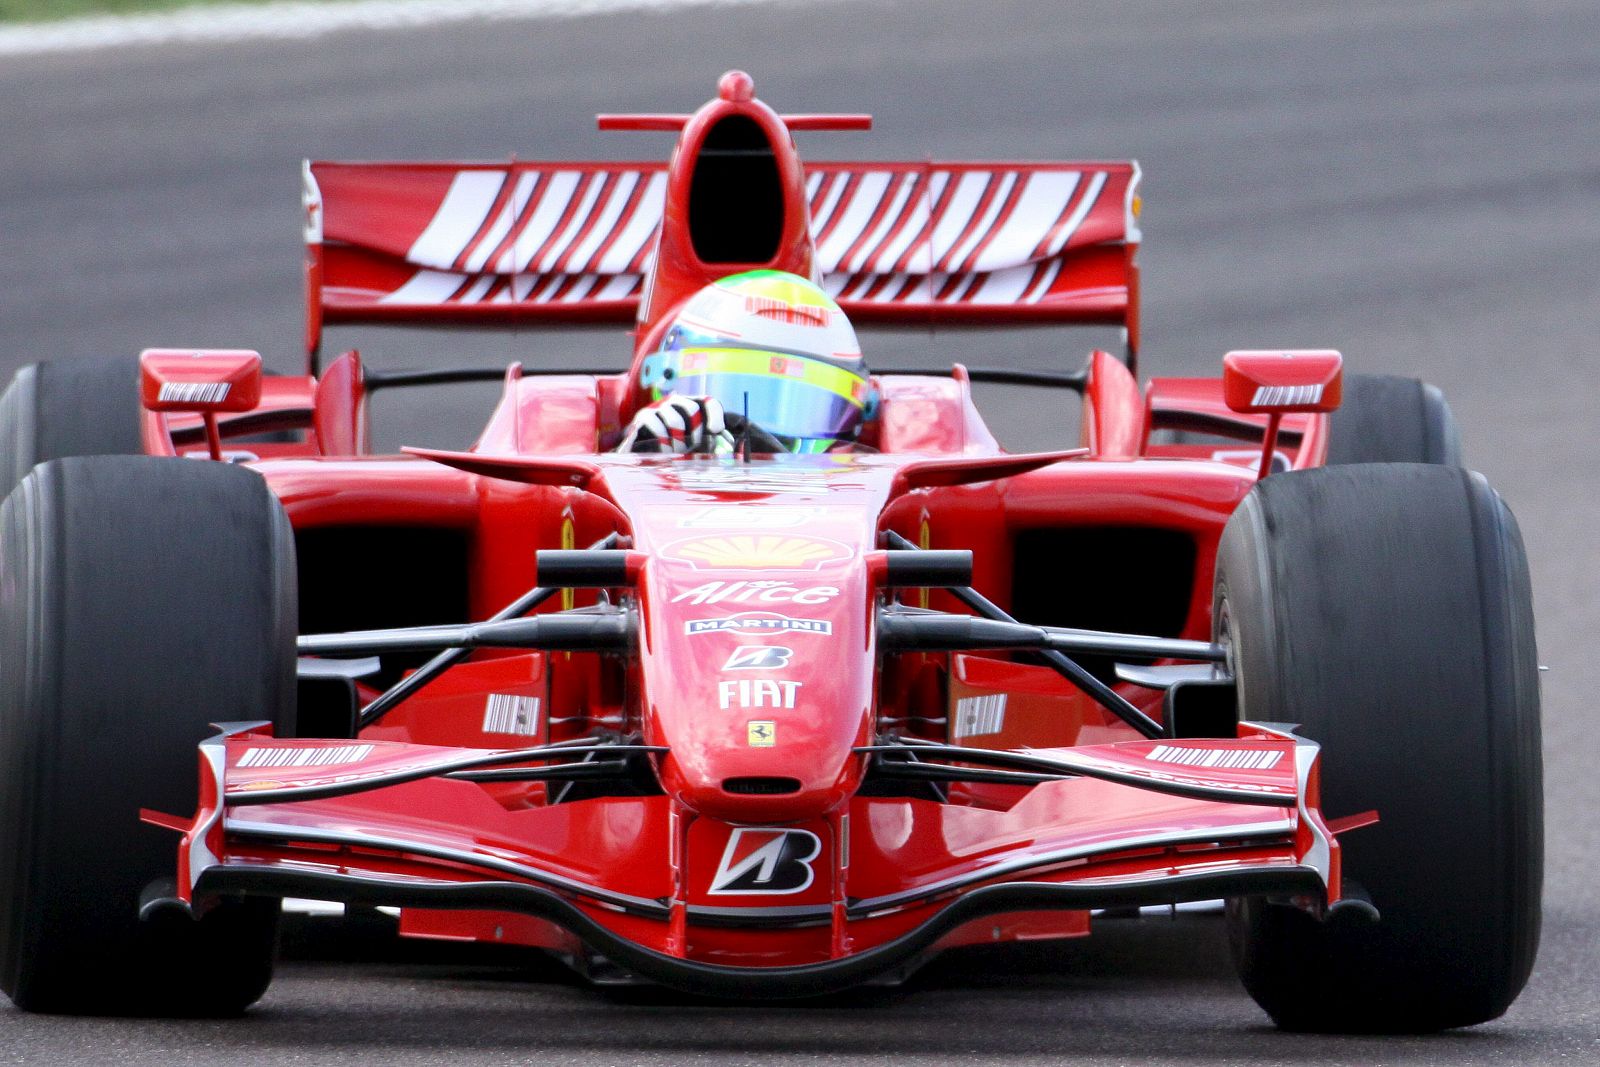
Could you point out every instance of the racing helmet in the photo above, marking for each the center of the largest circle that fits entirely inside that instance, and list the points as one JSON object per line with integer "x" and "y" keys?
{"x": 774, "y": 347}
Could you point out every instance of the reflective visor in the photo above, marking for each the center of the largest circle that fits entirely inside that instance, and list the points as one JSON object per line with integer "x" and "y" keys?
{"x": 787, "y": 395}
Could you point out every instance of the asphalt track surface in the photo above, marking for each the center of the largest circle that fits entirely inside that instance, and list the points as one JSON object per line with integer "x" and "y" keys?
{"x": 1414, "y": 184}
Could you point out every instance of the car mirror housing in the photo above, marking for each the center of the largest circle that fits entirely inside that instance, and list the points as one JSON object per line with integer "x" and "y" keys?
{"x": 1282, "y": 381}
{"x": 199, "y": 381}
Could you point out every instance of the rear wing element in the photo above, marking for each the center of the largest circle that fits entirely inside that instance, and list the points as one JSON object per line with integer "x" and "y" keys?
{"x": 952, "y": 242}
{"x": 504, "y": 244}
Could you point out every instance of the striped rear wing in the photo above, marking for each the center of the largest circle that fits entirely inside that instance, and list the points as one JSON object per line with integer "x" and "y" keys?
{"x": 978, "y": 242}
{"x": 508, "y": 243}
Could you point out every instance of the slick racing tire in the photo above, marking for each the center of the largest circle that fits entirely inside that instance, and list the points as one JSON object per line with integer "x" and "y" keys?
{"x": 143, "y": 599}
{"x": 68, "y": 407}
{"x": 1386, "y": 609}
{"x": 1386, "y": 419}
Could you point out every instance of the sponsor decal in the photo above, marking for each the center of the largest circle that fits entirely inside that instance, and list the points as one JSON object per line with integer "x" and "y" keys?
{"x": 195, "y": 392}
{"x": 1234, "y": 759}
{"x": 924, "y": 540}
{"x": 758, "y": 658}
{"x": 508, "y": 713}
{"x": 773, "y": 862}
{"x": 757, "y": 552}
{"x": 761, "y": 733}
{"x": 750, "y": 516}
{"x": 764, "y": 591}
{"x": 757, "y": 693}
{"x": 569, "y": 540}
{"x": 980, "y": 715}
{"x": 757, "y": 622}
{"x": 794, "y": 314}
{"x": 1283, "y": 396}
{"x": 741, "y": 479}
{"x": 311, "y": 756}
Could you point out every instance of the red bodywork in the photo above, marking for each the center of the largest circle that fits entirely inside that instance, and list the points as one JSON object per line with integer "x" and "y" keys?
{"x": 764, "y": 859}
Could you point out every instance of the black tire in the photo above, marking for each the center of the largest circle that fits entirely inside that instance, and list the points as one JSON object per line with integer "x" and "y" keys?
{"x": 68, "y": 407}
{"x": 1387, "y": 610}
{"x": 144, "y": 599}
{"x": 1385, "y": 419}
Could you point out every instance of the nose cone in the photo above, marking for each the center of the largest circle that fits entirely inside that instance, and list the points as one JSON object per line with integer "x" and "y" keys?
{"x": 759, "y": 682}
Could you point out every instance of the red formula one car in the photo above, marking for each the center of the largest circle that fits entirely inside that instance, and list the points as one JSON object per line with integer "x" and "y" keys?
{"x": 754, "y": 723}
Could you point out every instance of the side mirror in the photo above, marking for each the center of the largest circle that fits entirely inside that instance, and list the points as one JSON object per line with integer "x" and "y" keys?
{"x": 200, "y": 382}
{"x": 1283, "y": 381}
{"x": 1279, "y": 383}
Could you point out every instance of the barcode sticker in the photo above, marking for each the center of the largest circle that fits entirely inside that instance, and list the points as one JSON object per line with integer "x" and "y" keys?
{"x": 195, "y": 392}
{"x": 980, "y": 715}
{"x": 1285, "y": 396}
{"x": 314, "y": 756}
{"x": 1237, "y": 759}
{"x": 508, "y": 713}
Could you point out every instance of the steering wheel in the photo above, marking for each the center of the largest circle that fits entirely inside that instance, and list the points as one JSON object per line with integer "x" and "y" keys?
{"x": 743, "y": 429}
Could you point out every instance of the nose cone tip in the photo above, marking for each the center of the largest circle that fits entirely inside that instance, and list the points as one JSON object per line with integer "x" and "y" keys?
{"x": 736, "y": 85}
{"x": 809, "y": 802}
{"x": 746, "y": 790}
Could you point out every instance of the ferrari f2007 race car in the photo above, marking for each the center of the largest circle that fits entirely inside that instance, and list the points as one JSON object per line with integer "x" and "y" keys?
{"x": 748, "y": 722}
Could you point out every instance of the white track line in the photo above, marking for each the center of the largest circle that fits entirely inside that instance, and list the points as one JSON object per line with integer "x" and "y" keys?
{"x": 290, "y": 19}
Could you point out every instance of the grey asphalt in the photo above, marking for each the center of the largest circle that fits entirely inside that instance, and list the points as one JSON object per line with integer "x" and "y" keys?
{"x": 1417, "y": 184}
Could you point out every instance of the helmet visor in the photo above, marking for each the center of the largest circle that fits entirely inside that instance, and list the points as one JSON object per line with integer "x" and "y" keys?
{"x": 786, "y": 395}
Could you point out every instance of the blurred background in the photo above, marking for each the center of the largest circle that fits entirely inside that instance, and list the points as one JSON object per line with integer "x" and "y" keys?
{"x": 1413, "y": 183}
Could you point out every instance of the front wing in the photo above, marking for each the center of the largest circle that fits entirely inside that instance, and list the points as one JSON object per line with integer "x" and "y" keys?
{"x": 702, "y": 905}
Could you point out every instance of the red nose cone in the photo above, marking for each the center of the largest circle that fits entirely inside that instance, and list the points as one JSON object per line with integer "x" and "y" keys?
{"x": 736, "y": 85}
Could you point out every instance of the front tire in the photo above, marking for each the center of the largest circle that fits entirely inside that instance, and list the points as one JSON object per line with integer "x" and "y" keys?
{"x": 1387, "y": 610}
{"x": 143, "y": 599}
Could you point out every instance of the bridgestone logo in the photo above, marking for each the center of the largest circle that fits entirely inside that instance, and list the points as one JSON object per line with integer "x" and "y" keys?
{"x": 1286, "y": 396}
{"x": 507, "y": 713}
{"x": 195, "y": 392}
{"x": 1233, "y": 759}
{"x": 980, "y": 715}
{"x": 771, "y": 862}
{"x": 321, "y": 756}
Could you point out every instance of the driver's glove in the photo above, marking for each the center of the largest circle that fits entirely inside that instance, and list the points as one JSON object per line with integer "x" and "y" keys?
{"x": 678, "y": 424}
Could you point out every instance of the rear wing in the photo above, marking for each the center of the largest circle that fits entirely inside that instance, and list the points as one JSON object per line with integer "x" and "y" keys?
{"x": 506, "y": 244}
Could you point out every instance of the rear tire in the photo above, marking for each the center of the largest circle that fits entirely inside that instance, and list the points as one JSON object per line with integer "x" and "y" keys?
{"x": 1385, "y": 419}
{"x": 1387, "y": 610}
{"x": 144, "y": 599}
{"x": 68, "y": 407}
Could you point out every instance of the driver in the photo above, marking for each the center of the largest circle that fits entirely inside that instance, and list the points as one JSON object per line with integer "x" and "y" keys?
{"x": 761, "y": 351}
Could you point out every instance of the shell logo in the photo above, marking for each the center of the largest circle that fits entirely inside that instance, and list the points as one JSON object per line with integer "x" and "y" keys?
{"x": 757, "y": 552}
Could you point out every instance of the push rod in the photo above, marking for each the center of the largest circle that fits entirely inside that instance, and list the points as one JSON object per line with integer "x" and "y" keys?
{"x": 575, "y": 631}
{"x": 912, "y": 630}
